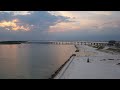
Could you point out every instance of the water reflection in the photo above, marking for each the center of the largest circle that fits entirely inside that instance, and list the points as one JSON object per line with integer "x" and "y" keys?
{"x": 32, "y": 60}
{"x": 45, "y": 59}
{"x": 8, "y": 60}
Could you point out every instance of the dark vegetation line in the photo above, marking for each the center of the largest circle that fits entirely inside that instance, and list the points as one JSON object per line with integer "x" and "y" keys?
{"x": 12, "y": 42}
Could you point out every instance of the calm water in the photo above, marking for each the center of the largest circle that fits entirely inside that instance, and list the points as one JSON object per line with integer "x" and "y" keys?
{"x": 32, "y": 61}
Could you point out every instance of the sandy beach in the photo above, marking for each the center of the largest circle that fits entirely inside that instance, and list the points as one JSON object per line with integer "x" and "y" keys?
{"x": 90, "y": 63}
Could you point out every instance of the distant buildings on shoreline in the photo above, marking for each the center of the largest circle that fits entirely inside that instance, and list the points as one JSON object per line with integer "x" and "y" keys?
{"x": 114, "y": 43}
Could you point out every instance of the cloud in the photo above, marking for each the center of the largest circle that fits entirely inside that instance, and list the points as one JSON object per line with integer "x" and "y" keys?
{"x": 93, "y": 25}
{"x": 40, "y": 25}
{"x": 108, "y": 24}
{"x": 40, "y": 20}
{"x": 35, "y": 23}
{"x": 22, "y": 13}
{"x": 14, "y": 13}
{"x": 12, "y": 25}
{"x": 65, "y": 26}
{"x": 102, "y": 12}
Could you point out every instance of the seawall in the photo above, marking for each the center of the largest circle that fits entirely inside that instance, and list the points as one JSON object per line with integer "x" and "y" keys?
{"x": 61, "y": 67}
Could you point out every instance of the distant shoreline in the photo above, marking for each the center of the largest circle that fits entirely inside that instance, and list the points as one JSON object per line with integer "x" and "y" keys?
{"x": 12, "y": 42}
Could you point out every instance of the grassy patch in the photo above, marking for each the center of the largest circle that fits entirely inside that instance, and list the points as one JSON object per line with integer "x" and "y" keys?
{"x": 98, "y": 47}
{"x": 77, "y": 51}
{"x": 114, "y": 49}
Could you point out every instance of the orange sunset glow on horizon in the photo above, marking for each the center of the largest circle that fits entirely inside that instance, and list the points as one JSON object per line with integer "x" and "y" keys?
{"x": 12, "y": 25}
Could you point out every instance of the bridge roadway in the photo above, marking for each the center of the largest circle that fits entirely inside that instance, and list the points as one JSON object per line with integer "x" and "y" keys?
{"x": 78, "y": 43}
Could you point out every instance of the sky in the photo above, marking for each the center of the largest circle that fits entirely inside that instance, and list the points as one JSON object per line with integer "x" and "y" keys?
{"x": 60, "y": 25}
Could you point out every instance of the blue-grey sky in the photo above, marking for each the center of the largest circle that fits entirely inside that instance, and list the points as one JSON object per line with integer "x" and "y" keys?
{"x": 59, "y": 25}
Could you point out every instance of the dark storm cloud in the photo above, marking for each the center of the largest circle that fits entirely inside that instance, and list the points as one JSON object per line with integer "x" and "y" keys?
{"x": 38, "y": 21}
{"x": 41, "y": 20}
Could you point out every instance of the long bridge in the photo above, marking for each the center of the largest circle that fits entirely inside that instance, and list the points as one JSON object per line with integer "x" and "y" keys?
{"x": 79, "y": 43}
{"x": 100, "y": 43}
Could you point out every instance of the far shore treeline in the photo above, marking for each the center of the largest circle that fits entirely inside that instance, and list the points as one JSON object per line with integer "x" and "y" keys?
{"x": 12, "y": 42}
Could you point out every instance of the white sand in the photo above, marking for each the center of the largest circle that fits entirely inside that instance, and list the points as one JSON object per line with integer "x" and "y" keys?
{"x": 100, "y": 67}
